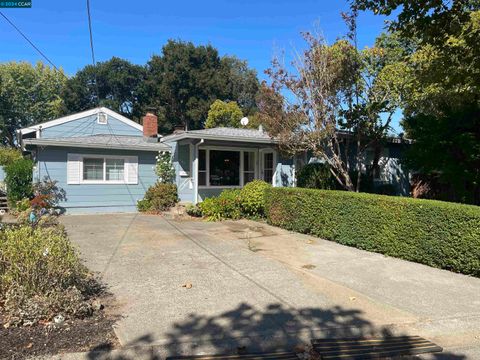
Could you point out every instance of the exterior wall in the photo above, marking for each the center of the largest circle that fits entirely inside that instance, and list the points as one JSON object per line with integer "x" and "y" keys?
{"x": 88, "y": 126}
{"x": 392, "y": 171}
{"x": 2, "y": 174}
{"x": 91, "y": 198}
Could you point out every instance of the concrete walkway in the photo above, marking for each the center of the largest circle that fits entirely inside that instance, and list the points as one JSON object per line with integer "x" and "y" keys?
{"x": 264, "y": 288}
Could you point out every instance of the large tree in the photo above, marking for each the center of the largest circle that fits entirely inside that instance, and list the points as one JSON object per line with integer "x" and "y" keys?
{"x": 184, "y": 80}
{"x": 334, "y": 103}
{"x": 28, "y": 95}
{"x": 113, "y": 83}
{"x": 434, "y": 47}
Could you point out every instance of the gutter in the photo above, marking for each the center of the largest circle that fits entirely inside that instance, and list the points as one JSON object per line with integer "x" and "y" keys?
{"x": 219, "y": 138}
{"x": 45, "y": 142}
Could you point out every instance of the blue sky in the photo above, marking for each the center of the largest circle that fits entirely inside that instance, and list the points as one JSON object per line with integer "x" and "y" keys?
{"x": 135, "y": 30}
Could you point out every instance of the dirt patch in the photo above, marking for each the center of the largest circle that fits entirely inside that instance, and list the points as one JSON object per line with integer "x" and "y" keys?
{"x": 93, "y": 333}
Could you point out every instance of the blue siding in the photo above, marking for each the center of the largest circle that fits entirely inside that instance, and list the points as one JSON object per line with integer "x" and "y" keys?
{"x": 88, "y": 126}
{"x": 88, "y": 198}
{"x": 2, "y": 174}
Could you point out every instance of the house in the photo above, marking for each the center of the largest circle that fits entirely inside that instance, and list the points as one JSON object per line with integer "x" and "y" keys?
{"x": 105, "y": 162}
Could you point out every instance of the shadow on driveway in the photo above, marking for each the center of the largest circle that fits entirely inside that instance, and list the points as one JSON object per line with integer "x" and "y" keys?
{"x": 247, "y": 330}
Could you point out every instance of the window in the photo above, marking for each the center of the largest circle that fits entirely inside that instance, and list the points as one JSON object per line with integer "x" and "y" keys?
{"x": 102, "y": 118}
{"x": 114, "y": 169}
{"x": 268, "y": 167}
{"x": 92, "y": 169}
{"x": 202, "y": 167}
{"x": 224, "y": 168}
{"x": 248, "y": 166}
{"x": 101, "y": 169}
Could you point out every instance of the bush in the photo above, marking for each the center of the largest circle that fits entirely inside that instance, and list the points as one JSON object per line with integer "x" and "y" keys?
{"x": 252, "y": 198}
{"x": 439, "y": 234}
{"x": 316, "y": 176}
{"x": 9, "y": 155}
{"x": 194, "y": 210}
{"x": 49, "y": 193}
{"x": 19, "y": 180}
{"x": 225, "y": 206}
{"x": 159, "y": 197}
{"x": 41, "y": 275}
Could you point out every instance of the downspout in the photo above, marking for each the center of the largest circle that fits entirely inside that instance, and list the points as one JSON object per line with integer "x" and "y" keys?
{"x": 195, "y": 172}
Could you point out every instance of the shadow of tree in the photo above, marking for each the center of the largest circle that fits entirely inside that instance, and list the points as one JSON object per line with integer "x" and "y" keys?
{"x": 248, "y": 329}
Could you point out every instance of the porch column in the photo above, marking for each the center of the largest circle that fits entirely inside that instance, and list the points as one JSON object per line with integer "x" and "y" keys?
{"x": 195, "y": 171}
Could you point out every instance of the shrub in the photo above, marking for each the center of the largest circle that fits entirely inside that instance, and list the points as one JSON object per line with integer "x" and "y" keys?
{"x": 164, "y": 168}
{"x": 252, "y": 198}
{"x": 194, "y": 210}
{"x": 49, "y": 193}
{"x": 41, "y": 275}
{"x": 225, "y": 206}
{"x": 316, "y": 176}
{"x": 9, "y": 155}
{"x": 19, "y": 180}
{"x": 159, "y": 197}
{"x": 439, "y": 234}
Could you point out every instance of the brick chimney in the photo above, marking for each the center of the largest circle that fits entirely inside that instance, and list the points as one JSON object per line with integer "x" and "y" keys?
{"x": 150, "y": 125}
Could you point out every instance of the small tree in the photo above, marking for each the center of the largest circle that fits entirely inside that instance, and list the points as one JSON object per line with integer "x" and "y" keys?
{"x": 221, "y": 113}
{"x": 164, "y": 168}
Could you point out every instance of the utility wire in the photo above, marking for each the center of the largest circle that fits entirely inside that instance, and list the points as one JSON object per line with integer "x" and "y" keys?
{"x": 93, "y": 52}
{"x": 32, "y": 44}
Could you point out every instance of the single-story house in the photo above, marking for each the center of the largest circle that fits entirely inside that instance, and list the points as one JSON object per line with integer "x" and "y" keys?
{"x": 105, "y": 161}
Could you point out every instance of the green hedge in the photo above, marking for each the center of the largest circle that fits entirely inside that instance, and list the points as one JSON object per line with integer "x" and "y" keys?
{"x": 18, "y": 178}
{"x": 435, "y": 233}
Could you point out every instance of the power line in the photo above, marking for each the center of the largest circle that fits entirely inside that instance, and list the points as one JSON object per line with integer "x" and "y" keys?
{"x": 32, "y": 44}
{"x": 93, "y": 52}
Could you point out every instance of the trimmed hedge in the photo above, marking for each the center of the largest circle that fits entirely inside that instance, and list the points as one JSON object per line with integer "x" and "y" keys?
{"x": 435, "y": 233}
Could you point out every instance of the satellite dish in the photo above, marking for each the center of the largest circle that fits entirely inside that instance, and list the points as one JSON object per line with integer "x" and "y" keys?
{"x": 244, "y": 121}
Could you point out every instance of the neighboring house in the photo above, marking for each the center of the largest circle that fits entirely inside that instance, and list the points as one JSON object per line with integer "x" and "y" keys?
{"x": 105, "y": 162}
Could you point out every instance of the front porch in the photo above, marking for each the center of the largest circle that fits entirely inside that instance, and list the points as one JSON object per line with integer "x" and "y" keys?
{"x": 205, "y": 168}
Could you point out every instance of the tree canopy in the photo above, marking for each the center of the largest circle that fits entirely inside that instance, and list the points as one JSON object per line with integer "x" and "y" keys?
{"x": 28, "y": 95}
{"x": 185, "y": 80}
{"x": 226, "y": 114}
{"x": 117, "y": 82}
{"x": 434, "y": 56}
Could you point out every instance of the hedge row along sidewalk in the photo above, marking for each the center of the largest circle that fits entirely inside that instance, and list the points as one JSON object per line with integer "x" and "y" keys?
{"x": 435, "y": 233}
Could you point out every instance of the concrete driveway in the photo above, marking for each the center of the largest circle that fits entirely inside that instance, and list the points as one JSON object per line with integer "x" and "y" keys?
{"x": 265, "y": 288}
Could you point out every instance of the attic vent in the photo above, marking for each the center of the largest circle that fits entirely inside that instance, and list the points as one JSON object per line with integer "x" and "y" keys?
{"x": 102, "y": 118}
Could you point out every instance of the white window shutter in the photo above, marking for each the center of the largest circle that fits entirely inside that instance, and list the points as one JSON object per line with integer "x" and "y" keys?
{"x": 73, "y": 168}
{"x": 131, "y": 170}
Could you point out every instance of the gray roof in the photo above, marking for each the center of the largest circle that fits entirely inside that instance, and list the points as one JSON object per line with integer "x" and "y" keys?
{"x": 103, "y": 142}
{"x": 223, "y": 133}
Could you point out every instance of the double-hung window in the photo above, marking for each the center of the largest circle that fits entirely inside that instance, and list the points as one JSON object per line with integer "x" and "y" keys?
{"x": 98, "y": 169}
{"x": 103, "y": 169}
